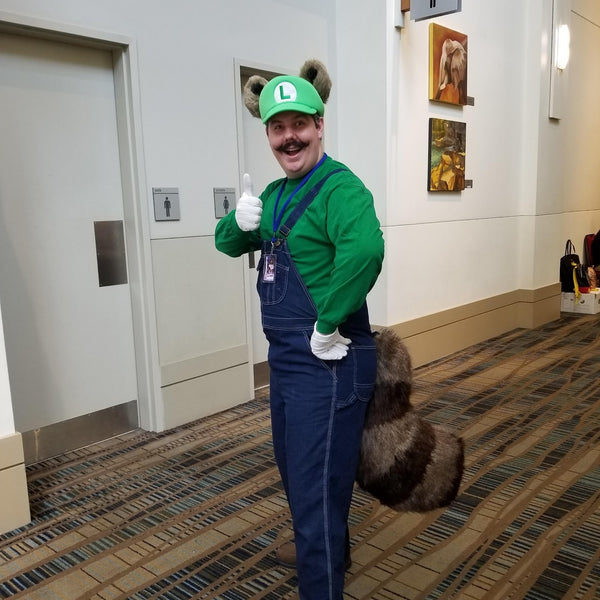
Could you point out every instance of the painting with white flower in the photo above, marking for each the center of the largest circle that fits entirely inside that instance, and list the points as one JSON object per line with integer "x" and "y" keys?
{"x": 447, "y": 65}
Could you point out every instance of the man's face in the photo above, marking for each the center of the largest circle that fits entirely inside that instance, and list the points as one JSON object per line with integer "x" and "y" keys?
{"x": 295, "y": 140}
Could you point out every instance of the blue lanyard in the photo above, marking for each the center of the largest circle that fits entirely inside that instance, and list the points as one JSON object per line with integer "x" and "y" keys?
{"x": 278, "y": 214}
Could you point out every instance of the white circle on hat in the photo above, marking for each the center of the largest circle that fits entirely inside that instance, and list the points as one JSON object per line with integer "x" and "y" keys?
{"x": 285, "y": 92}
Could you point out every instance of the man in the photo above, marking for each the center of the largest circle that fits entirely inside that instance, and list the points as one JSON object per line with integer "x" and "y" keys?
{"x": 322, "y": 250}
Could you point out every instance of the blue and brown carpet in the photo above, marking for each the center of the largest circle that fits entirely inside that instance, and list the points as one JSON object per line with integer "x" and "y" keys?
{"x": 196, "y": 512}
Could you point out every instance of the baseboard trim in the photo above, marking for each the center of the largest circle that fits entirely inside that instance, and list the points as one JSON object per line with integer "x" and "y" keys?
{"x": 51, "y": 440}
{"x": 261, "y": 375}
{"x": 435, "y": 336}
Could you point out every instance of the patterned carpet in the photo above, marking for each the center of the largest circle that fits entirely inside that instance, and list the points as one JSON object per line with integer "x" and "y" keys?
{"x": 197, "y": 511}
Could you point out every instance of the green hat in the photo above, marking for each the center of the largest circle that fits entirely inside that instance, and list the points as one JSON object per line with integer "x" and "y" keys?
{"x": 287, "y": 92}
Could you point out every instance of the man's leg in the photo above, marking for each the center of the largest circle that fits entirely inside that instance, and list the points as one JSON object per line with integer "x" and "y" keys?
{"x": 324, "y": 420}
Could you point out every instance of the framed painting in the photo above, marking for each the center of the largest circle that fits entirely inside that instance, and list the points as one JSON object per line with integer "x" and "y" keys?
{"x": 447, "y": 65}
{"x": 447, "y": 154}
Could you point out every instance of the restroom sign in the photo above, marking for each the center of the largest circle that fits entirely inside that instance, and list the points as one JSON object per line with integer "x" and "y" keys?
{"x": 426, "y": 9}
{"x": 225, "y": 201}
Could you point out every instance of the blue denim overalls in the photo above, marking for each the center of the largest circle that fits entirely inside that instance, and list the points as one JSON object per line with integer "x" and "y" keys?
{"x": 317, "y": 415}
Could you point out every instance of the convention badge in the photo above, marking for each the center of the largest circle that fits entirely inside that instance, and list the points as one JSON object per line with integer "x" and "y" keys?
{"x": 269, "y": 268}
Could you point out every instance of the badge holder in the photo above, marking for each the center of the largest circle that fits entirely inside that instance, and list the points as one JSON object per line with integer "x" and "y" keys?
{"x": 269, "y": 267}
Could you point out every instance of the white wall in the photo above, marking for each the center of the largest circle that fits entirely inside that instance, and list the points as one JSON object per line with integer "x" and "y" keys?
{"x": 186, "y": 53}
{"x": 534, "y": 181}
{"x": 449, "y": 249}
{"x": 361, "y": 118}
{"x": 6, "y": 412}
{"x": 532, "y": 185}
{"x": 568, "y": 195}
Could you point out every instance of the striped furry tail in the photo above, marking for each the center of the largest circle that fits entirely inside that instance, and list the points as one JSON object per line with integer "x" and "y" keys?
{"x": 407, "y": 463}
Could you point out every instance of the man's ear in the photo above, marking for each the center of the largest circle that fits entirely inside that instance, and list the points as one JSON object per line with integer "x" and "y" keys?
{"x": 321, "y": 127}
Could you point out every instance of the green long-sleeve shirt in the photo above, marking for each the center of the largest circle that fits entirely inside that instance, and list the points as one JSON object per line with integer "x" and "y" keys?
{"x": 337, "y": 244}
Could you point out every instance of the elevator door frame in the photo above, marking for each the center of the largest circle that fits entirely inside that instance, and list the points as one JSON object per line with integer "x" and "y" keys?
{"x": 136, "y": 222}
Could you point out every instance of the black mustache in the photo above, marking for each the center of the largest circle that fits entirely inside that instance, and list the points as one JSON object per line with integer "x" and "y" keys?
{"x": 289, "y": 145}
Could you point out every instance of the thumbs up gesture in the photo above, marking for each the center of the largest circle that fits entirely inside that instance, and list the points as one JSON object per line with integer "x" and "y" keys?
{"x": 248, "y": 209}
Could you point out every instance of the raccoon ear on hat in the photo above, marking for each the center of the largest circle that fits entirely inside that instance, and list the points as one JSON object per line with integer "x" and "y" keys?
{"x": 254, "y": 86}
{"x": 312, "y": 70}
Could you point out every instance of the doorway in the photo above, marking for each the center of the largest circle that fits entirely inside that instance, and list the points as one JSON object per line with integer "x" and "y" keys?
{"x": 68, "y": 334}
{"x": 256, "y": 159}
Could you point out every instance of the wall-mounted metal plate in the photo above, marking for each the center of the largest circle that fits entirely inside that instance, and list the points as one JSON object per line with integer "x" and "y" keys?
{"x": 166, "y": 204}
{"x": 110, "y": 252}
{"x": 224, "y": 201}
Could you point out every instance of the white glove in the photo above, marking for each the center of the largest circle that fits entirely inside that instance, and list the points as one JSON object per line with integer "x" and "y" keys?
{"x": 248, "y": 209}
{"x": 329, "y": 347}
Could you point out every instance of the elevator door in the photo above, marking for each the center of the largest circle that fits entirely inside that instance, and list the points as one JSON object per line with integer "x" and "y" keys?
{"x": 69, "y": 339}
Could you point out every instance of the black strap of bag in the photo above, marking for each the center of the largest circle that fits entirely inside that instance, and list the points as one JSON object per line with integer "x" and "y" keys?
{"x": 570, "y": 248}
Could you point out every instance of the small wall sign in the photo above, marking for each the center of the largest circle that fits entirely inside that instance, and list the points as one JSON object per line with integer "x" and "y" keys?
{"x": 426, "y": 9}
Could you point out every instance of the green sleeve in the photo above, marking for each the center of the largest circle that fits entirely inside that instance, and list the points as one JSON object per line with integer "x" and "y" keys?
{"x": 231, "y": 240}
{"x": 355, "y": 232}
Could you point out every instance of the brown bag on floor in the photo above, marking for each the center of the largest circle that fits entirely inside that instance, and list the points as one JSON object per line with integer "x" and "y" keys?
{"x": 407, "y": 463}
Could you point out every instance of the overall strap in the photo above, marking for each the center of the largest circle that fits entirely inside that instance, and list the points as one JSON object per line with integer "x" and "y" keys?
{"x": 298, "y": 211}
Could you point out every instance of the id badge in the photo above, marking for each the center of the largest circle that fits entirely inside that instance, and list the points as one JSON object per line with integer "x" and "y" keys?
{"x": 269, "y": 268}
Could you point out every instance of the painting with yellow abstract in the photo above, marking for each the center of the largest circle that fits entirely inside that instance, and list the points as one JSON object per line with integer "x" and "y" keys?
{"x": 447, "y": 153}
{"x": 447, "y": 65}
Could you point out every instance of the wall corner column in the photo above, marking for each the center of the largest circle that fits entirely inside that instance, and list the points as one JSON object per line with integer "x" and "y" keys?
{"x": 14, "y": 502}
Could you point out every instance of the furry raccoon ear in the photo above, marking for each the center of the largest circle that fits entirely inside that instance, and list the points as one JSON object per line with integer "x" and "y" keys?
{"x": 314, "y": 70}
{"x": 252, "y": 90}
